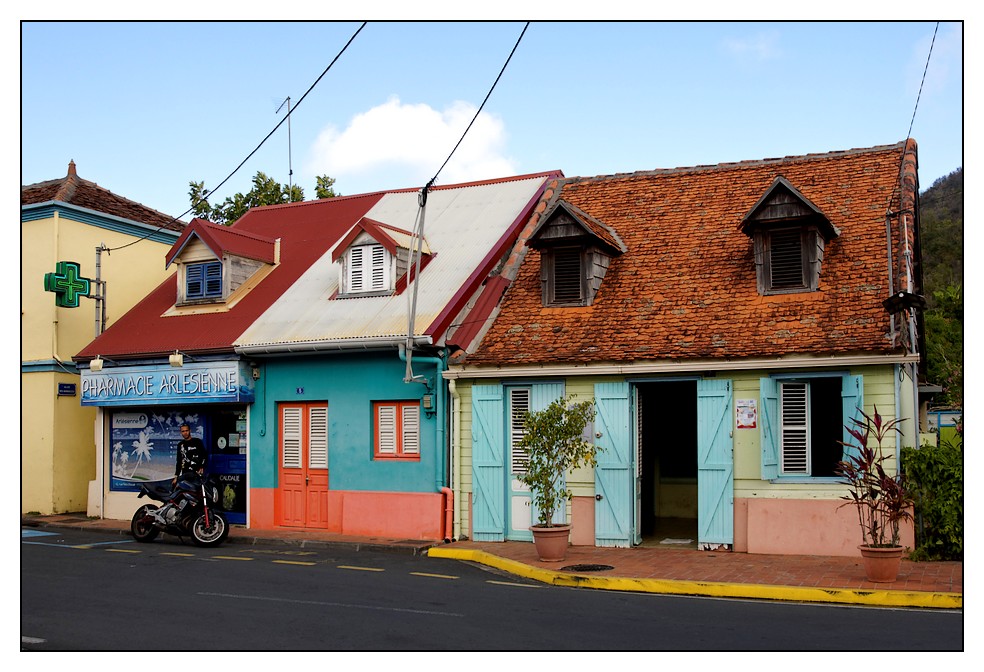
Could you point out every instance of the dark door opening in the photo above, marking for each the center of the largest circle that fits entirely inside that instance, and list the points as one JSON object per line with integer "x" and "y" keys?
{"x": 666, "y": 422}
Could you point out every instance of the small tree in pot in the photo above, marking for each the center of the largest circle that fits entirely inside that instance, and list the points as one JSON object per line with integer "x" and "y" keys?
{"x": 554, "y": 442}
{"x": 882, "y": 501}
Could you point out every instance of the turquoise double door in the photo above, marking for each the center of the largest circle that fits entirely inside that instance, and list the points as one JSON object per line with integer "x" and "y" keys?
{"x": 498, "y": 509}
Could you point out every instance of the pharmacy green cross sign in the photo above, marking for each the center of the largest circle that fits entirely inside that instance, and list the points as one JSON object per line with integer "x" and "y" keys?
{"x": 67, "y": 283}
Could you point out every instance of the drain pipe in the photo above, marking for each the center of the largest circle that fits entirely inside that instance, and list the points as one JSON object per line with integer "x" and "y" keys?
{"x": 455, "y": 455}
{"x": 439, "y": 402}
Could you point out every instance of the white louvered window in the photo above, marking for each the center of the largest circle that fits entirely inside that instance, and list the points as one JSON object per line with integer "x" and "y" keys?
{"x": 795, "y": 427}
{"x": 397, "y": 429}
{"x": 318, "y": 437}
{"x": 519, "y": 404}
{"x": 366, "y": 269}
{"x": 291, "y": 435}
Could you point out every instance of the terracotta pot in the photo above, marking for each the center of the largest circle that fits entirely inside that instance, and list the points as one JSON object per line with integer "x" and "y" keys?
{"x": 881, "y": 564}
{"x": 551, "y": 542}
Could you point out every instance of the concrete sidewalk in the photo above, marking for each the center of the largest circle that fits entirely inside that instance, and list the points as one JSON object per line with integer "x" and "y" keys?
{"x": 651, "y": 569}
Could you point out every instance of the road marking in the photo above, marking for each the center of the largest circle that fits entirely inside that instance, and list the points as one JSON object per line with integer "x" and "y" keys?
{"x": 268, "y": 552}
{"x": 510, "y": 583}
{"x": 294, "y": 562}
{"x": 362, "y": 569}
{"x": 32, "y": 640}
{"x": 104, "y": 543}
{"x": 334, "y": 604}
{"x": 434, "y": 576}
{"x": 230, "y": 557}
{"x": 36, "y": 533}
{"x": 119, "y": 550}
{"x": 179, "y": 555}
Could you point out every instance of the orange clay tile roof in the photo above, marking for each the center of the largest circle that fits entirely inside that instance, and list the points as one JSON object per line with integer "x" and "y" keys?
{"x": 73, "y": 190}
{"x": 686, "y": 287}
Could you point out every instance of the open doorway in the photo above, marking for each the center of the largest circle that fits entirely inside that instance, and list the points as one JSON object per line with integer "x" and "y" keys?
{"x": 666, "y": 422}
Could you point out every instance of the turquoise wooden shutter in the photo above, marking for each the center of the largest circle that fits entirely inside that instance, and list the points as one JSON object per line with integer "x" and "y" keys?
{"x": 488, "y": 464}
{"x": 769, "y": 432}
{"x": 715, "y": 463}
{"x": 613, "y": 475}
{"x": 852, "y": 399}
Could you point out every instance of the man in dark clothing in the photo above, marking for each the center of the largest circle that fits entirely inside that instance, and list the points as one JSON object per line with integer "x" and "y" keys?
{"x": 191, "y": 458}
{"x": 191, "y": 454}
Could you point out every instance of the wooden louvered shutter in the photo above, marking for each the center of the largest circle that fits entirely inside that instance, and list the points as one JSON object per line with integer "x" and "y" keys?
{"x": 410, "y": 430}
{"x": 290, "y": 432}
{"x": 318, "y": 437}
{"x": 794, "y": 427}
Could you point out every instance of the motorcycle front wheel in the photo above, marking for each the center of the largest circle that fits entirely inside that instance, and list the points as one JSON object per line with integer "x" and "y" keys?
{"x": 142, "y": 529}
{"x": 209, "y": 535}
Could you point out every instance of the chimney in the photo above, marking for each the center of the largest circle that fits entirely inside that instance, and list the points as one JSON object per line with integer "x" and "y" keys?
{"x": 71, "y": 169}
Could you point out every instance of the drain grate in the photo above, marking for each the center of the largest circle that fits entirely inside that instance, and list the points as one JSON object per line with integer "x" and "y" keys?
{"x": 586, "y": 568}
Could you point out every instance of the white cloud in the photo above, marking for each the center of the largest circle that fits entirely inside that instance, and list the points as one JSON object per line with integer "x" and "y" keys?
{"x": 409, "y": 142}
{"x": 763, "y": 46}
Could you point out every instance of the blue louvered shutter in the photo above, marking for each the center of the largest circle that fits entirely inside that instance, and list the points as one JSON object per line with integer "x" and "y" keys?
{"x": 769, "y": 432}
{"x": 488, "y": 464}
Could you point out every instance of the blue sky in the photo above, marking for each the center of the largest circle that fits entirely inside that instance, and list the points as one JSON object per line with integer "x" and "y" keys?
{"x": 144, "y": 108}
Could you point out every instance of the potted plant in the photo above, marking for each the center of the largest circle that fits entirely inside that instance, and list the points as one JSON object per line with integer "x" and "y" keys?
{"x": 554, "y": 442}
{"x": 882, "y": 500}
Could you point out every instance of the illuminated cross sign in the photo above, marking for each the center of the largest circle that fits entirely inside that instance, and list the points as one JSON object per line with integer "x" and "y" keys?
{"x": 67, "y": 283}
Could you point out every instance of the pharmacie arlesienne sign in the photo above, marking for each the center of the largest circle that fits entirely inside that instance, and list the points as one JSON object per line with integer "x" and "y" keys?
{"x": 195, "y": 382}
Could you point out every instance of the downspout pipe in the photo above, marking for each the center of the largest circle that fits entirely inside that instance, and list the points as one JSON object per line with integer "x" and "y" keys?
{"x": 439, "y": 391}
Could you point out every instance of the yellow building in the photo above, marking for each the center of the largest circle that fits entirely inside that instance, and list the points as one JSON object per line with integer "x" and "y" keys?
{"x": 66, "y": 220}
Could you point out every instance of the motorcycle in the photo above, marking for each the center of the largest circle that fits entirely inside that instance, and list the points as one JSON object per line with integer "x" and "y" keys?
{"x": 194, "y": 511}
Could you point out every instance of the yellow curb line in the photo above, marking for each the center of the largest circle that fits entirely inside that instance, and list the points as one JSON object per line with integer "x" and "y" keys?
{"x": 881, "y": 598}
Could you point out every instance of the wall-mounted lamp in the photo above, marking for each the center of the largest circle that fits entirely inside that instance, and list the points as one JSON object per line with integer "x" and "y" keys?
{"x": 177, "y": 359}
{"x": 96, "y": 364}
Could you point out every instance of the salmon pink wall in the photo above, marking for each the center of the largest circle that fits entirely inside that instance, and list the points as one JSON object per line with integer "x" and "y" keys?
{"x": 400, "y": 515}
{"x": 804, "y": 527}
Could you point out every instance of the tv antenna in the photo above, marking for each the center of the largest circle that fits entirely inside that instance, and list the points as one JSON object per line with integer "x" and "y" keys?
{"x": 290, "y": 164}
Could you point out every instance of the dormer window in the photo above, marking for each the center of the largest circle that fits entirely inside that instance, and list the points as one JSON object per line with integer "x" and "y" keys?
{"x": 377, "y": 259}
{"x": 789, "y": 236}
{"x": 575, "y": 252}
{"x": 366, "y": 268}
{"x": 218, "y": 265}
{"x": 563, "y": 276}
{"x": 203, "y": 281}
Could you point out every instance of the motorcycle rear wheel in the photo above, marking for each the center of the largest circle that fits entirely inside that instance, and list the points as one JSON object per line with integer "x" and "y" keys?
{"x": 142, "y": 529}
{"x": 213, "y": 535}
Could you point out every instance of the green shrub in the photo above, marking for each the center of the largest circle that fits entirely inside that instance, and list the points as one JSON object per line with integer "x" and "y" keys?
{"x": 935, "y": 478}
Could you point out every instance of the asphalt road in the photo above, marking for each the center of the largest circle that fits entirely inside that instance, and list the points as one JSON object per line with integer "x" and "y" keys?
{"x": 83, "y": 591}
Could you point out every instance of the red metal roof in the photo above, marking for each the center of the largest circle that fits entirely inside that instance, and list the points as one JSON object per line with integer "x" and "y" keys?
{"x": 224, "y": 239}
{"x": 307, "y": 231}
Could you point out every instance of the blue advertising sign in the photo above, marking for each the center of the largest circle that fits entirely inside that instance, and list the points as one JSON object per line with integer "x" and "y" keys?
{"x": 193, "y": 383}
{"x": 144, "y": 446}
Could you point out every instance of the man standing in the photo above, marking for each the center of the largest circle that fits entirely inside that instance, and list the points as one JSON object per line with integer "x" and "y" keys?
{"x": 191, "y": 454}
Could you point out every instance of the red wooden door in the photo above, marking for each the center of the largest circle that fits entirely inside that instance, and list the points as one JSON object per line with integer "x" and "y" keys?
{"x": 303, "y": 491}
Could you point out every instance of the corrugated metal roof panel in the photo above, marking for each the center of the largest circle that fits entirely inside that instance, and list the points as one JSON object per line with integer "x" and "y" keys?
{"x": 461, "y": 225}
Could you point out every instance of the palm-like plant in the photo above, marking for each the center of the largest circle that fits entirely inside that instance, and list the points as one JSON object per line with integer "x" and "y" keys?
{"x": 882, "y": 501}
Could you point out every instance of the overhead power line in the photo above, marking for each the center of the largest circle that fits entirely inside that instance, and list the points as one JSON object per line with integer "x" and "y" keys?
{"x": 250, "y": 155}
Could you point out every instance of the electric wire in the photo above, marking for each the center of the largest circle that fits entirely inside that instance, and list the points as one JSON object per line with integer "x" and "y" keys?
{"x": 417, "y": 237}
{"x": 479, "y": 111}
{"x": 912, "y": 121}
{"x": 250, "y": 155}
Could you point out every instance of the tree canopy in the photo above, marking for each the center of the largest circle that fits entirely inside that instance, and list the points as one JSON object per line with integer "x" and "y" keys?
{"x": 265, "y": 191}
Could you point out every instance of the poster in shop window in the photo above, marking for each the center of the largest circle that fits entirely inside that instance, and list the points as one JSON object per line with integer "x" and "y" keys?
{"x": 143, "y": 446}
